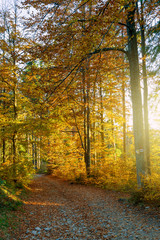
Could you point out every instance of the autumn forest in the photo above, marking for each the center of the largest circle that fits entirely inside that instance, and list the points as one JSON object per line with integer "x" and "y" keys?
{"x": 79, "y": 88}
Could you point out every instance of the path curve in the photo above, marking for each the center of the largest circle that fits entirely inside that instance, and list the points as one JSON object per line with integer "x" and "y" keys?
{"x": 57, "y": 210}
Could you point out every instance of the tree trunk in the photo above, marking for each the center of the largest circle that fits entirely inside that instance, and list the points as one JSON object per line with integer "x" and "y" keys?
{"x": 102, "y": 120}
{"x": 136, "y": 96}
{"x": 15, "y": 133}
{"x": 3, "y": 151}
{"x": 14, "y": 174}
{"x": 88, "y": 155}
{"x": 144, "y": 71}
{"x": 124, "y": 105}
{"x": 14, "y": 92}
{"x": 94, "y": 123}
{"x": 35, "y": 153}
{"x": 113, "y": 139}
{"x": 3, "y": 138}
{"x": 86, "y": 112}
{"x": 124, "y": 119}
{"x": 86, "y": 94}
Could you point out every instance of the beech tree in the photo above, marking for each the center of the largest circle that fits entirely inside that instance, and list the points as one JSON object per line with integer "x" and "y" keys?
{"x": 74, "y": 57}
{"x": 136, "y": 93}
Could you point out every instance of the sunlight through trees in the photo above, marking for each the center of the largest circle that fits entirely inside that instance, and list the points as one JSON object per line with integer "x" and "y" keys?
{"x": 73, "y": 76}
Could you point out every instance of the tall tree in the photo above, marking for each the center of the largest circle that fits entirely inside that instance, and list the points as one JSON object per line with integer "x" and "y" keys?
{"x": 145, "y": 84}
{"x": 61, "y": 22}
{"x": 136, "y": 93}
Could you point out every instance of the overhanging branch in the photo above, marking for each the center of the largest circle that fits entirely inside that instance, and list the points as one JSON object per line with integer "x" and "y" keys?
{"x": 106, "y": 50}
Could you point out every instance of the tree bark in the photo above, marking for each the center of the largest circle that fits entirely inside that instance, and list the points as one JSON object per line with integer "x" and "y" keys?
{"x": 88, "y": 155}
{"x": 136, "y": 95}
{"x": 86, "y": 95}
{"x": 102, "y": 120}
{"x": 3, "y": 139}
{"x": 15, "y": 131}
{"x": 94, "y": 122}
{"x": 3, "y": 150}
{"x": 144, "y": 72}
{"x": 15, "y": 113}
{"x": 86, "y": 123}
{"x": 124, "y": 119}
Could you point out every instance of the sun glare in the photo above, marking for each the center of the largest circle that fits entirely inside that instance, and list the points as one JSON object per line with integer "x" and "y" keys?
{"x": 154, "y": 121}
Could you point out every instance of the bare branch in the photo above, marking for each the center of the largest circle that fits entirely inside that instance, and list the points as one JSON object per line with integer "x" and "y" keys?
{"x": 108, "y": 49}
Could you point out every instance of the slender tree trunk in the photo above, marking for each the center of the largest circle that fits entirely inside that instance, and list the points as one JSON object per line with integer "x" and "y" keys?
{"x": 3, "y": 150}
{"x": 84, "y": 115}
{"x": 86, "y": 94}
{"x": 35, "y": 151}
{"x": 124, "y": 119}
{"x": 14, "y": 138}
{"x": 14, "y": 149}
{"x": 124, "y": 106}
{"x": 114, "y": 139}
{"x": 86, "y": 123}
{"x": 102, "y": 120}
{"x": 88, "y": 155}
{"x": 27, "y": 145}
{"x": 94, "y": 123}
{"x": 144, "y": 70}
{"x": 4, "y": 106}
{"x": 94, "y": 134}
{"x": 3, "y": 138}
{"x": 39, "y": 154}
{"x": 136, "y": 96}
{"x": 14, "y": 134}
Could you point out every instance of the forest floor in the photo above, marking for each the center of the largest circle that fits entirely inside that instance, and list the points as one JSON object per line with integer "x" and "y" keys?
{"x": 57, "y": 209}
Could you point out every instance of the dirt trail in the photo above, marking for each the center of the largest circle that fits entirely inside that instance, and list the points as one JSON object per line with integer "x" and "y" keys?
{"x": 56, "y": 209}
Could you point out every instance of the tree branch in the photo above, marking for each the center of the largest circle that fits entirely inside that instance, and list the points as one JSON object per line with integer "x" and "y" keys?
{"x": 107, "y": 49}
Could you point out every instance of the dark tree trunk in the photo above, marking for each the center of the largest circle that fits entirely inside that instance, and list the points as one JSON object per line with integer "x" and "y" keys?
{"x": 4, "y": 150}
{"x": 86, "y": 112}
{"x": 14, "y": 134}
{"x": 3, "y": 131}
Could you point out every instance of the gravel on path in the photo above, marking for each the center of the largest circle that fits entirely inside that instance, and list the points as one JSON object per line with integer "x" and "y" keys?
{"x": 58, "y": 210}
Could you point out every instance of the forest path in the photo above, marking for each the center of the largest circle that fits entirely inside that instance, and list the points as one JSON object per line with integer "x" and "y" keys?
{"x": 56, "y": 209}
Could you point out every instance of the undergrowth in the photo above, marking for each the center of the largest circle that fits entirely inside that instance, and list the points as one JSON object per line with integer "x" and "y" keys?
{"x": 9, "y": 203}
{"x": 126, "y": 182}
{"x": 149, "y": 194}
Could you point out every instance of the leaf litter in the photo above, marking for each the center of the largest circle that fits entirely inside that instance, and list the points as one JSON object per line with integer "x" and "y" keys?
{"x": 57, "y": 210}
